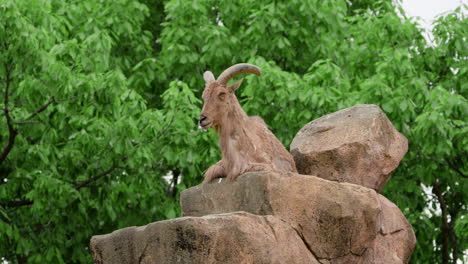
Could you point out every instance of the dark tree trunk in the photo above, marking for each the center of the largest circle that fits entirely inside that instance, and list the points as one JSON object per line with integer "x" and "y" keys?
{"x": 175, "y": 178}
{"x": 445, "y": 234}
{"x": 453, "y": 236}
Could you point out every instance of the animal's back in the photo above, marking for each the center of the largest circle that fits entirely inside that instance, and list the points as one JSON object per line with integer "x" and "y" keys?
{"x": 273, "y": 150}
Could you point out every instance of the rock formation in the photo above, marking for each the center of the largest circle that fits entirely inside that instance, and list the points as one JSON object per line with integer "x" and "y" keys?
{"x": 320, "y": 211}
{"x": 267, "y": 217}
{"x": 357, "y": 145}
{"x": 223, "y": 238}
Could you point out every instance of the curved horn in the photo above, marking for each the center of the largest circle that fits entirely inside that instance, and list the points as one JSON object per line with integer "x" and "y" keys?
{"x": 236, "y": 69}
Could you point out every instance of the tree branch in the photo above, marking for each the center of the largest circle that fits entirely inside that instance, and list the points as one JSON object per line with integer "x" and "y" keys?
{"x": 28, "y": 122}
{"x": 445, "y": 227}
{"x": 42, "y": 108}
{"x": 457, "y": 170}
{"x": 19, "y": 203}
{"x": 11, "y": 130}
{"x": 95, "y": 178}
{"x": 449, "y": 164}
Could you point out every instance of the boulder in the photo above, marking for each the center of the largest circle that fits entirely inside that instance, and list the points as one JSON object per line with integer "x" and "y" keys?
{"x": 225, "y": 238}
{"x": 357, "y": 145}
{"x": 396, "y": 240}
{"x": 332, "y": 215}
{"x": 334, "y": 219}
{"x": 393, "y": 244}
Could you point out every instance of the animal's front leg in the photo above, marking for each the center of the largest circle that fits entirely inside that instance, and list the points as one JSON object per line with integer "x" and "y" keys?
{"x": 213, "y": 172}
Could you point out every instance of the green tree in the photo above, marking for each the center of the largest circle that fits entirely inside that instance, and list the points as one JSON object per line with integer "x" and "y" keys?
{"x": 80, "y": 149}
{"x": 100, "y": 101}
{"x": 322, "y": 56}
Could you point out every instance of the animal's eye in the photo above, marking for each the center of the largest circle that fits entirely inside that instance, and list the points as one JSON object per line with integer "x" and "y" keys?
{"x": 222, "y": 95}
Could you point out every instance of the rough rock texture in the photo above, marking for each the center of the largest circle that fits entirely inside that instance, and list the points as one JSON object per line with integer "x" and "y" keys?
{"x": 357, "y": 145}
{"x": 288, "y": 217}
{"x": 334, "y": 219}
{"x": 396, "y": 240}
{"x": 226, "y": 238}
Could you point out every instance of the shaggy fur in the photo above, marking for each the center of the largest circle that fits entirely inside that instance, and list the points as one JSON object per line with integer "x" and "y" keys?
{"x": 246, "y": 142}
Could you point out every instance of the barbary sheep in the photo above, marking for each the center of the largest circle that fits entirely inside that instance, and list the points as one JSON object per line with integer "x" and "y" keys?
{"x": 246, "y": 143}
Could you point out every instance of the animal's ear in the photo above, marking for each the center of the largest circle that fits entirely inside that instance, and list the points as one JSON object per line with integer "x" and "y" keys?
{"x": 236, "y": 85}
{"x": 208, "y": 77}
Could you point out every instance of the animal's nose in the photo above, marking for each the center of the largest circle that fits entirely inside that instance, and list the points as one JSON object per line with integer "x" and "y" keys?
{"x": 202, "y": 117}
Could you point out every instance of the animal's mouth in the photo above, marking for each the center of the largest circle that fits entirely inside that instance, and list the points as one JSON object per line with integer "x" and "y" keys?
{"x": 203, "y": 122}
{"x": 204, "y": 125}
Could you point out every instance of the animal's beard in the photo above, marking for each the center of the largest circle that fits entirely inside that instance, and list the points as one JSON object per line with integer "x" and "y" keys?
{"x": 201, "y": 128}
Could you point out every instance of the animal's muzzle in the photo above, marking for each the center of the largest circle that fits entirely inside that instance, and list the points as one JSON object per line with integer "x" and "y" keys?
{"x": 201, "y": 119}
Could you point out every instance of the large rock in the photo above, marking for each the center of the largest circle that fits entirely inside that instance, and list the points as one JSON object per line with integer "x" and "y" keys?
{"x": 396, "y": 240}
{"x": 335, "y": 220}
{"x": 289, "y": 218}
{"x": 228, "y": 238}
{"x": 357, "y": 145}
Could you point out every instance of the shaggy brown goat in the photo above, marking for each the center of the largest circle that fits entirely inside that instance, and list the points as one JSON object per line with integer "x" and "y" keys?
{"x": 246, "y": 142}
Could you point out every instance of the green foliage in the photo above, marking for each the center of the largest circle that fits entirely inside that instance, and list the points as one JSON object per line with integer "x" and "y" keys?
{"x": 103, "y": 97}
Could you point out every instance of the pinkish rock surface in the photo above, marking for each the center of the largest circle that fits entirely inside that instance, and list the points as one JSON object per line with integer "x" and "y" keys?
{"x": 396, "y": 240}
{"x": 227, "y": 238}
{"x": 357, "y": 145}
{"x": 334, "y": 219}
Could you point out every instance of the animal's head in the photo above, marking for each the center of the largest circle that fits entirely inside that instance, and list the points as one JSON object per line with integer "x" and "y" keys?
{"x": 218, "y": 96}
